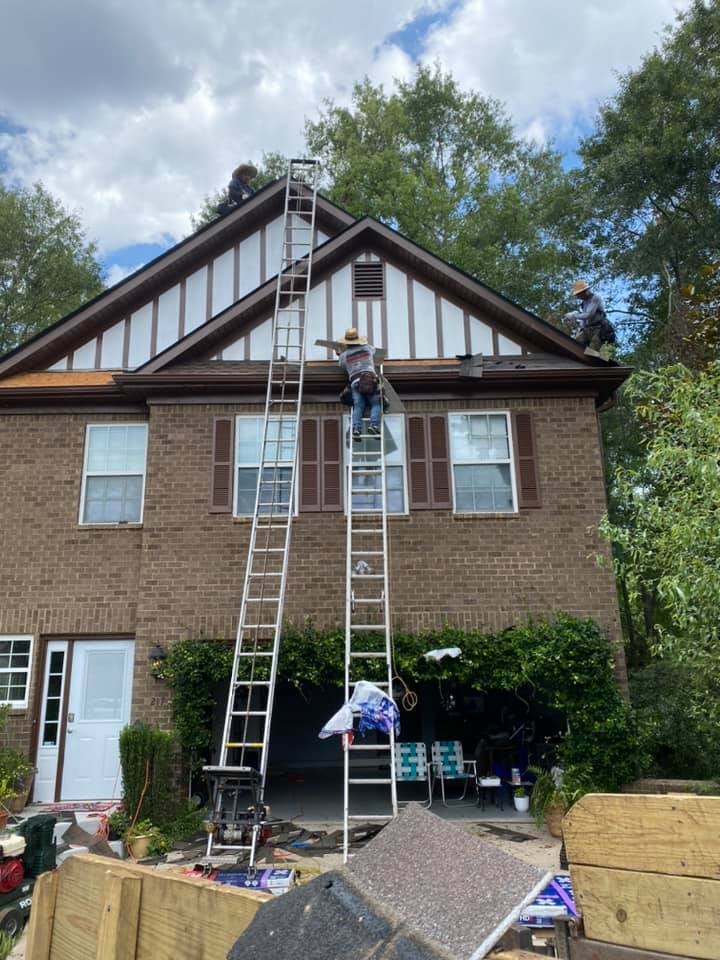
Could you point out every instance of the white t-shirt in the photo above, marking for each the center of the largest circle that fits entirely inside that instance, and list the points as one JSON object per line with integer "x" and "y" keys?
{"x": 357, "y": 360}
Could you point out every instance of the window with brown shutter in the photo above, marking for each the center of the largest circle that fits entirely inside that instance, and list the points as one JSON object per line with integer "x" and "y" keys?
{"x": 221, "y": 473}
{"x": 320, "y": 464}
{"x": 528, "y": 486}
{"x": 368, "y": 280}
{"x": 428, "y": 462}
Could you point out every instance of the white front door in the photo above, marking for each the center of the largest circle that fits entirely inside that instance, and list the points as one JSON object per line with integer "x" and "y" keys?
{"x": 98, "y": 708}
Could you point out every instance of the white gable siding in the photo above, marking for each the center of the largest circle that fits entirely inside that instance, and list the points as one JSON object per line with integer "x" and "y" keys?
{"x": 425, "y": 323}
{"x": 398, "y": 345}
{"x": 140, "y": 334}
{"x": 249, "y": 264}
{"x": 84, "y": 357}
{"x": 222, "y": 281}
{"x": 317, "y": 328}
{"x": 342, "y": 301}
{"x": 168, "y": 321}
{"x": 195, "y": 299}
{"x": 481, "y": 337}
{"x": 507, "y": 346}
{"x": 453, "y": 329}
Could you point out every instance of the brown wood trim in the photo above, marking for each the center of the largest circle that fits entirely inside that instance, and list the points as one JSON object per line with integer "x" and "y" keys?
{"x": 62, "y": 729}
{"x": 98, "y": 350}
{"x": 329, "y": 313}
{"x": 246, "y": 346}
{"x": 37, "y": 707}
{"x": 236, "y": 273}
{"x": 181, "y": 309}
{"x": 411, "y": 316}
{"x": 369, "y": 323}
{"x": 126, "y": 343}
{"x": 263, "y": 254}
{"x": 384, "y": 323}
{"x": 354, "y": 312}
{"x": 209, "y": 291}
{"x": 438, "y": 324}
{"x": 496, "y": 350}
{"x": 70, "y": 360}
{"x": 154, "y": 326}
{"x": 466, "y": 328}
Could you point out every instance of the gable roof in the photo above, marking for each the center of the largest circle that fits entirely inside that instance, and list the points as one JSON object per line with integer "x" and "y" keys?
{"x": 158, "y": 273}
{"x": 365, "y": 233}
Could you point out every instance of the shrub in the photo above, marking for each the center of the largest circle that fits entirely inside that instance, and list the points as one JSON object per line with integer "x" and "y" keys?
{"x": 147, "y": 758}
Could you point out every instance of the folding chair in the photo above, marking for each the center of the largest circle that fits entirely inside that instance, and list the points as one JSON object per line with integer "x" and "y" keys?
{"x": 448, "y": 764}
{"x": 411, "y": 766}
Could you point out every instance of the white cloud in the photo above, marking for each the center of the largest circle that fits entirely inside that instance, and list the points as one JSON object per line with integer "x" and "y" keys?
{"x": 133, "y": 111}
{"x": 116, "y": 273}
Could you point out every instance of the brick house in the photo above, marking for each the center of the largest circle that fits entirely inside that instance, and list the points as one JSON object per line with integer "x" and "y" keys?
{"x": 129, "y": 445}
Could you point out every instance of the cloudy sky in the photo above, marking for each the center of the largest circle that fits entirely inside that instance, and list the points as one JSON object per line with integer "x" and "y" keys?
{"x": 131, "y": 111}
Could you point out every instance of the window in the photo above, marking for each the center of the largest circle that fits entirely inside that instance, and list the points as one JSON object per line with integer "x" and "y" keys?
{"x": 275, "y": 486}
{"x": 368, "y": 280}
{"x": 53, "y": 698}
{"x": 394, "y": 467}
{"x": 114, "y": 474}
{"x": 15, "y": 653}
{"x": 483, "y": 480}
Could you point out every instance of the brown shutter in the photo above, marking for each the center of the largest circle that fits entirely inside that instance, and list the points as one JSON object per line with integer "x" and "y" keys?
{"x": 331, "y": 499}
{"x": 310, "y": 464}
{"x": 439, "y": 462}
{"x": 221, "y": 473}
{"x": 526, "y": 461}
{"x": 418, "y": 463}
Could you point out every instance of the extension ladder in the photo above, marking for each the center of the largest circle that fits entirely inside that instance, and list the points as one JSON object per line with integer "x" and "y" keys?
{"x": 367, "y": 606}
{"x": 237, "y": 782}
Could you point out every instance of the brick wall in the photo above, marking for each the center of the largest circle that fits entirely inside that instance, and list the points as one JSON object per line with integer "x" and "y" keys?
{"x": 181, "y": 574}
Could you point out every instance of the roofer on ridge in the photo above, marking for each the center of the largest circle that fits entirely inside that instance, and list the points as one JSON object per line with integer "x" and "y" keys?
{"x": 357, "y": 361}
{"x": 595, "y": 328}
{"x": 239, "y": 188}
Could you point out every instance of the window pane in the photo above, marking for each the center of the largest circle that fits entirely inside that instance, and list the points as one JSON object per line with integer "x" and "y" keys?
{"x": 17, "y": 693}
{"x": 57, "y": 658}
{"x": 104, "y": 685}
{"x": 113, "y": 499}
{"x": 4, "y": 661}
{"x": 21, "y": 646}
{"x": 249, "y": 435}
{"x": 5, "y": 646}
{"x": 54, "y": 686}
{"x": 97, "y": 448}
{"x": 52, "y": 709}
{"x": 246, "y": 489}
{"x": 50, "y": 735}
{"x": 275, "y": 490}
{"x": 479, "y": 436}
{"x": 4, "y": 687}
{"x": 118, "y": 447}
{"x": 395, "y": 490}
{"x": 483, "y": 488}
{"x": 19, "y": 660}
{"x": 280, "y": 436}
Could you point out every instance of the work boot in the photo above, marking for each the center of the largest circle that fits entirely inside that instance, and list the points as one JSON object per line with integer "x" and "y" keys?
{"x": 375, "y": 430}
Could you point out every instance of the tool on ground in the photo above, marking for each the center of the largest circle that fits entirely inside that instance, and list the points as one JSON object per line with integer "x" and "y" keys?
{"x": 237, "y": 782}
{"x": 367, "y": 609}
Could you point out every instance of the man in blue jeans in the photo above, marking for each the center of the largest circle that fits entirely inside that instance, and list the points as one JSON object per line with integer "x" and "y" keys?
{"x": 357, "y": 361}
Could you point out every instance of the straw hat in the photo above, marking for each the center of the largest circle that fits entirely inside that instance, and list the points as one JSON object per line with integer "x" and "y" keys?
{"x": 352, "y": 338}
{"x": 245, "y": 170}
{"x": 579, "y": 286}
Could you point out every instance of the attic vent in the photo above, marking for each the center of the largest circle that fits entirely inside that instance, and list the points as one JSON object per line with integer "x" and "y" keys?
{"x": 369, "y": 280}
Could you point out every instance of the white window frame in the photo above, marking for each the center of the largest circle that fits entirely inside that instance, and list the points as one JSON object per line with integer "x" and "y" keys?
{"x": 346, "y": 464}
{"x": 19, "y": 704}
{"x": 115, "y": 473}
{"x": 256, "y": 466}
{"x": 510, "y": 460}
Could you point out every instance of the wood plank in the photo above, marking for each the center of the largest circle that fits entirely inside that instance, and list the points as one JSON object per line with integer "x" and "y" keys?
{"x": 380, "y": 354}
{"x": 178, "y": 916}
{"x": 117, "y": 936}
{"x": 42, "y": 915}
{"x": 649, "y": 911}
{"x": 676, "y": 834}
{"x": 582, "y": 949}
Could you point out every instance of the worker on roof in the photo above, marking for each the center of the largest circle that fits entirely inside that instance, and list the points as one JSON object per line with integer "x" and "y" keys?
{"x": 595, "y": 328}
{"x": 239, "y": 188}
{"x": 357, "y": 361}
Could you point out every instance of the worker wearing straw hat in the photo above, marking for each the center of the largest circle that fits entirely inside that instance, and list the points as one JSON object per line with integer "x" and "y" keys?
{"x": 357, "y": 361}
{"x": 595, "y": 328}
{"x": 239, "y": 188}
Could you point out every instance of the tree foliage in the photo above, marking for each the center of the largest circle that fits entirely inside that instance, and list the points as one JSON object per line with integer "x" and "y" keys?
{"x": 651, "y": 174}
{"x": 667, "y": 536}
{"x": 47, "y": 267}
{"x": 447, "y": 170}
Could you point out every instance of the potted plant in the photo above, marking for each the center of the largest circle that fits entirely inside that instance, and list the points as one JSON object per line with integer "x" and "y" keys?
{"x": 144, "y": 840}
{"x": 521, "y": 800}
{"x": 554, "y": 792}
{"x": 6, "y": 795}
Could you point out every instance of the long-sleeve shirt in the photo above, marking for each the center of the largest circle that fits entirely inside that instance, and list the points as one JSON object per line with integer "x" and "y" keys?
{"x": 357, "y": 360}
{"x": 239, "y": 191}
{"x": 591, "y": 313}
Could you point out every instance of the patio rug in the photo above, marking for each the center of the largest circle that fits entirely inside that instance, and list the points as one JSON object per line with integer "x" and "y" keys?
{"x": 99, "y": 806}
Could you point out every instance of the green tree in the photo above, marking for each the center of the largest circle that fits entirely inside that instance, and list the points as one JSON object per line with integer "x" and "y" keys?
{"x": 47, "y": 267}
{"x": 667, "y": 536}
{"x": 651, "y": 176}
{"x": 446, "y": 169}
{"x": 272, "y": 166}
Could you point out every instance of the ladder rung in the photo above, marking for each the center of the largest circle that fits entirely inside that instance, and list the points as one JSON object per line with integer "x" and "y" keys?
{"x": 368, "y": 599}
{"x": 369, "y": 781}
{"x": 360, "y": 472}
{"x": 263, "y": 683}
{"x": 368, "y": 553}
{"x": 366, "y": 490}
{"x": 255, "y": 653}
{"x": 256, "y": 575}
{"x": 368, "y": 576}
{"x": 368, "y": 530}
{"x": 369, "y": 746}
{"x": 245, "y": 743}
{"x": 248, "y": 713}
{"x": 258, "y": 626}
{"x": 263, "y": 599}
{"x": 379, "y": 655}
{"x": 367, "y": 626}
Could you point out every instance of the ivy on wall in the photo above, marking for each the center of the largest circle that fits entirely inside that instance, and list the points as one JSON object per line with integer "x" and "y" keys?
{"x": 567, "y": 661}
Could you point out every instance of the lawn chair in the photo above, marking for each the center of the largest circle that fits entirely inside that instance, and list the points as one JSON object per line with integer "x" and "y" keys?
{"x": 411, "y": 766}
{"x": 448, "y": 764}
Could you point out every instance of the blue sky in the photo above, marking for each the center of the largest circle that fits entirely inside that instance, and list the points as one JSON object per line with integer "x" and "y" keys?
{"x": 133, "y": 113}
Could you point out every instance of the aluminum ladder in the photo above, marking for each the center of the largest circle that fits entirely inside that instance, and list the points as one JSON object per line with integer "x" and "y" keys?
{"x": 237, "y": 782}
{"x": 367, "y": 608}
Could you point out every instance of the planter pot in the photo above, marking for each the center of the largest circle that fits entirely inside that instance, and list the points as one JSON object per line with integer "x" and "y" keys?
{"x": 553, "y": 819}
{"x": 3, "y": 818}
{"x": 522, "y": 804}
{"x": 19, "y": 802}
{"x": 138, "y": 847}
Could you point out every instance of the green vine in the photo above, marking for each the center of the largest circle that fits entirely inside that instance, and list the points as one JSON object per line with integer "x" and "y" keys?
{"x": 567, "y": 661}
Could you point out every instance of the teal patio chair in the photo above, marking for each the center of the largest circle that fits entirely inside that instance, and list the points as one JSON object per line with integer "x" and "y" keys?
{"x": 448, "y": 764}
{"x": 411, "y": 766}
